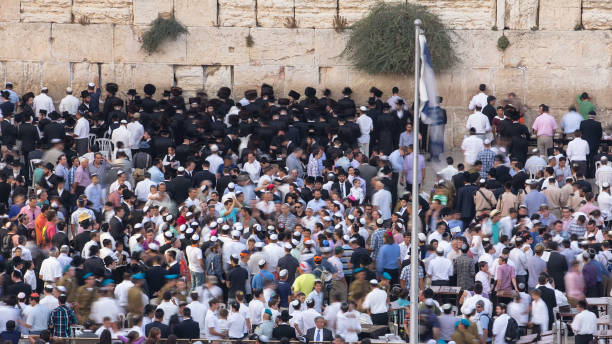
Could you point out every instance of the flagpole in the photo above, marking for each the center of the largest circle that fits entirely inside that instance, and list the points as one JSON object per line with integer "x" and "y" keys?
{"x": 414, "y": 261}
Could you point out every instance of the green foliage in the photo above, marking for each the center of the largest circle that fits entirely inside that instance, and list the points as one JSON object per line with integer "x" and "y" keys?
{"x": 249, "y": 41}
{"x": 494, "y": 28}
{"x": 383, "y": 41}
{"x": 340, "y": 23}
{"x": 161, "y": 30}
{"x": 535, "y": 28}
{"x": 579, "y": 27}
{"x": 503, "y": 43}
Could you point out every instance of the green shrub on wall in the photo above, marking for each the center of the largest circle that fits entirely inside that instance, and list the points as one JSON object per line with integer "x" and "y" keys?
{"x": 383, "y": 41}
{"x": 162, "y": 29}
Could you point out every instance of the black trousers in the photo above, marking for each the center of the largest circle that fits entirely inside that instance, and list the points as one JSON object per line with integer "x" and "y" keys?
{"x": 440, "y": 283}
{"x": 394, "y": 275}
{"x": 583, "y": 338}
{"x": 380, "y": 319}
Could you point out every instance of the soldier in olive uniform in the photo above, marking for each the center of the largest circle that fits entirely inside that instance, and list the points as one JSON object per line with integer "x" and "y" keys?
{"x": 85, "y": 297}
{"x": 137, "y": 299}
{"x": 69, "y": 281}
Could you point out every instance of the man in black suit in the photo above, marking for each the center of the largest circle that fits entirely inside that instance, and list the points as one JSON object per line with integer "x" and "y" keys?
{"x": 180, "y": 186}
{"x": 18, "y": 285}
{"x": 187, "y": 329}
{"x": 548, "y": 296}
{"x": 502, "y": 172}
{"x": 284, "y": 330}
{"x": 9, "y": 132}
{"x": 157, "y": 322}
{"x": 557, "y": 264}
{"x": 54, "y": 130}
{"x": 518, "y": 181}
{"x": 60, "y": 192}
{"x": 204, "y": 174}
{"x": 319, "y": 333}
{"x": 116, "y": 224}
{"x": 591, "y": 132}
{"x": 342, "y": 186}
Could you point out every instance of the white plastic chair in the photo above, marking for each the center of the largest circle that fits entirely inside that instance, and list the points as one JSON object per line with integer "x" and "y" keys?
{"x": 105, "y": 146}
{"x": 603, "y": 177}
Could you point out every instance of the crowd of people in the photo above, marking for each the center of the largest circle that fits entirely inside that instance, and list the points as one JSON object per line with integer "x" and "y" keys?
{"x": 290, "y": 218}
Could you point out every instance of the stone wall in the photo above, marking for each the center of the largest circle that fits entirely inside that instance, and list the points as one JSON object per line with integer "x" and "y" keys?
{"x": 558, "y": 48}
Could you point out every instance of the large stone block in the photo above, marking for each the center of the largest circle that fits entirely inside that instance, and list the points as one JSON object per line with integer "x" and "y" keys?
{"x": 10, "y": 11}
{"x": 521, "y": 14}
{"x": 158, "y": 74}
{"x": 25, "y": 76}
{"x": 538, "y": 49}
{"x": 221, "y": 45}
{"x": 196, "y": 12}
{"x": 476, "y": 48}
{"x": 127, "y": 47}
{"x": 556, "y": 91}
{"x": 216, "y": 77}
{"x": 145, "y": 11}
{"x": 559, "y": 15}
{"x": 189, "y": 78}
{"x": 506, "y": 80}
{"x": 597, "y": 14}
{"x": 30, "y": 41}
{"x": 329, "y": 46}
{"x": 46, "y": 11}
{"x": 68, "y": 43}
{"x": 237, "y": 13}
{"x": 463, "y": 14}
{"x": 119, "y": 73}
{"x": 56, "y": 76}
{"x": 282, "y": 47}
{"x": 274, "y": 13}
{"x": 300, "y": 77}
{"x": 353, "y": 10}
{"x": 251, "y": 77}
{"x": 82, "y": 74}
{"x": 103, "y": 11}
{"x": 318, "y": 14}
{"x": 334, "y": 78}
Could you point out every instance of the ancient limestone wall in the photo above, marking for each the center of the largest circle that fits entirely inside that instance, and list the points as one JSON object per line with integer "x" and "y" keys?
{"x": 558, "y": 48}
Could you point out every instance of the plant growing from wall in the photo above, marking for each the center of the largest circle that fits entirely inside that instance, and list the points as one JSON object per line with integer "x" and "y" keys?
{"x": 162, "y": 29}
{"x": 249, "y": 41}
{"x": 383, "y": 41}
{"x": 340, "y": 24}
{"x": 503, "y": 43}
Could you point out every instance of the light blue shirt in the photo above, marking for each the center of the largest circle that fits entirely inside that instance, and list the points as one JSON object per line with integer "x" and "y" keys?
{"x": 406, "y": 139}
{"x": 157, "y": 176}
{"x": 533, "y": 200}
{"x": 316, "y": 205}
{"x": 397, "y": 161}
{"x": 13, "y": 97}
{"x": 38, "y": 318}
{"x": 94, "y": 194}
{"x": 571, "y": 122}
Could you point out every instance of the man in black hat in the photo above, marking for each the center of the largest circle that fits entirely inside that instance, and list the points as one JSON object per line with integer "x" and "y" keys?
{"x": 386, "y": 130}
{"x": 284, "y": 330}
{"x": 148, "y": 103}
{"x": 54, "y": 130}
{"x": 346, "y": 105}
{"x": 376, "y": 94}
{"x": 86, "y": 107}
{"x": 489, "y": 110}
{"x": 293, "y": 97}
{"x": 8, "y": 130}
{"x": 592, "y": 133}
{"x": 111, "y": 99}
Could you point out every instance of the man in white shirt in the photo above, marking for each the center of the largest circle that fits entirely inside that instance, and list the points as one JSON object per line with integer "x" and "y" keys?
{"x": 81, "y": 134}
{"x": 604, "y": 168}
{"x": 500, "y": 324}
{"x": 381, "y": 200}
{"x": 584, "y": 324}
{"x": 469, "y": 303}
{"x": 143, "y": 188}
{"x": 604, "y": 201}
{"x": 169, "y": 307}
{"x": 571, "y": 121}
{"x": 252, "y": 167}
{"x": 479, "y": 99}
{"x": 440, "y": 268}
{"x": 51, "y": 268}
{"x": 43, "y": 102}
{"x": 121, "y": 290}
{"x": 122, "y": 134}
{"x": 69, "y": 103}
{"x": 376, "y": 302}
{"x": 449, "y": 171}
{"x": 480, "y": 122}
{"x": 365, "y": 126}
{"x": 214, "y": 159}
{"x": 136, "y": 131}
{"x": 196, "y": 263}
{"x": 471, "y": 146}
{"x": 211, "y": 320}
{"x": 577, "y": 151}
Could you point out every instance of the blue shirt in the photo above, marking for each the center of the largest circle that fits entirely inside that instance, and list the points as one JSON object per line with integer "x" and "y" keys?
{"x": 283, "y": 290}
{"x": 315, "y": 205}
{"x": 397, "y": 161}
{"x": 157, "y": 176}
{"x": 94, "y": 194}
{"x": 13, "y": 97}
{"x": 571, "y": 122}
{"x": 260, "y": 279}
{"x": 388, "y": 257}
{"x": 533, "y": 200}
{"x": 95, "y": 100}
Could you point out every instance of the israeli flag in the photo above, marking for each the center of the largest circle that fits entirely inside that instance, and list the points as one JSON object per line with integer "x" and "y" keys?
{"x": 427, "y": 90}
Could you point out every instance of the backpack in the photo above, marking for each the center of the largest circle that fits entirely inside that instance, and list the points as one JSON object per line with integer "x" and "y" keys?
{"x": 325, "y": 276}
{"x": 489, "y": 326}
{"x": 7, "y": 244}
{"x": 512, "y": 331}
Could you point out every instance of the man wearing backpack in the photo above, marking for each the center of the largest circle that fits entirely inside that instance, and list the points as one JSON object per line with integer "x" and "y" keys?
{"x": 505, "y": 328}
{"x": 485, "y": 323}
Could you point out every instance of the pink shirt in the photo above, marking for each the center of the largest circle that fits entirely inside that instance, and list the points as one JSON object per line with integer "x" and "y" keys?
{"x": 545, "y": 125}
